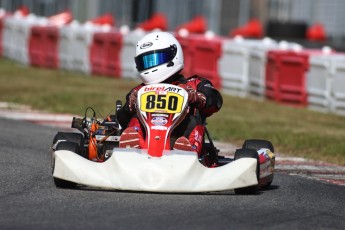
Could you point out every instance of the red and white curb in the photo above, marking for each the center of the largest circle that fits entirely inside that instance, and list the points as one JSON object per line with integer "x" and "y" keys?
{"x": 38, "y": 117}
{"x": 298, "y": 166}
{"x": 322, "y": 171}
{"x": 329, "y": 173}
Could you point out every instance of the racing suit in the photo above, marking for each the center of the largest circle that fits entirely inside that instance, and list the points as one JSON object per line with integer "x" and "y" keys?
{"x": 204, "y": 100}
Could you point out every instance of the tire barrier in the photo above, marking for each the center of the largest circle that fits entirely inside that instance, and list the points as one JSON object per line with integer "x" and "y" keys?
{"x": 259, "y": 68}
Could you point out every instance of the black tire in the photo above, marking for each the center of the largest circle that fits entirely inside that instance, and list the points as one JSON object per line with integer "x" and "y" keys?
{"x": 258, "y": 144}
{"x": 77, "y": 138}
{"x": 248, "y": 153}
{"x": 69, "y": 136}
{"x": 70, "y": 146}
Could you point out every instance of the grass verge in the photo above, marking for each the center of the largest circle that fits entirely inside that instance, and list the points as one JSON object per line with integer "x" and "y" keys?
{"x": 293, "y": 131}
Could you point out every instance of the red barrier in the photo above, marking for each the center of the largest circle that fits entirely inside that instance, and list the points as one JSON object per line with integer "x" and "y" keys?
{"x": 36, "y": 46}
{"x": 316, "y": 33}
{"x": 206, "y": 53}
{"x": 43, "y": 46}
{"x": 286, "y": 77}
{"x": 187, "y": 55}
{"x": 23, "y": 11}
{"x": 62, "y": 18}
{"x": 51, "y": 42}
{"x": 157, "y": 21}
{"x": 253, "y": 29}
{"x": 105, "y": 54}
{"x": 98, "y": 53}
{"x": 105, "y": 19}
{"x": 201, "y": 55}
{"x": 113, "y": 67}
{"x": 196, "y": 25}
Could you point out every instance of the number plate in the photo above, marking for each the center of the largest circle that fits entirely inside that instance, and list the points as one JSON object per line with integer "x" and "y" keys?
{"x": 167, "y": 102}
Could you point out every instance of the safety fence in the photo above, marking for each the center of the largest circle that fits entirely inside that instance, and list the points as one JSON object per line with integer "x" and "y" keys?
{"x": 263, "y": 68}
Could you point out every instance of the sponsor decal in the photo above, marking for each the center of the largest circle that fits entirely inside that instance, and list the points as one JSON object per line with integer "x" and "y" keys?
{"x": 159, "y": 121}
{"x": 161, "y": 89}
{"x": 197, "y": 136}
{"x": 159, "y": 128}
{"x": 159, "y": 115}
{"x": 110, "y": 138}
{"x": 146, "y": 45}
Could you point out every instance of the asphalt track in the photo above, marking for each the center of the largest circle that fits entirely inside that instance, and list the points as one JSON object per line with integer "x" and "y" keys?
{"x": 30, "y": 200}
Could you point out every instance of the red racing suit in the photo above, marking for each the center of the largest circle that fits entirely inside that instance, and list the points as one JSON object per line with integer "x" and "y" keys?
{"x": 207, "y": 101}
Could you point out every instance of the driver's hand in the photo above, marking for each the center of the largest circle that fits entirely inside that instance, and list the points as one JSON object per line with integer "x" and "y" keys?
{"x": 195, "y": 98}
{"x": 133, "y": 100}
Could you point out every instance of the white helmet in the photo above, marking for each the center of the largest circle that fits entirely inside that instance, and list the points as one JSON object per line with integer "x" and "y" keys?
{"x": 158, "y": 56}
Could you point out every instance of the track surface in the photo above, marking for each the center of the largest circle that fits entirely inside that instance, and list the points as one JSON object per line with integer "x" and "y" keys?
{"x": 29, "y": 199}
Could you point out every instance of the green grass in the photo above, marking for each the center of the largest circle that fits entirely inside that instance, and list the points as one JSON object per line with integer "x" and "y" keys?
{"x": 293, "y": 131}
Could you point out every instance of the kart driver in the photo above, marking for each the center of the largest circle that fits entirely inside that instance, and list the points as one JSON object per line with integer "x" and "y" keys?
{"x": 159, "y": 59}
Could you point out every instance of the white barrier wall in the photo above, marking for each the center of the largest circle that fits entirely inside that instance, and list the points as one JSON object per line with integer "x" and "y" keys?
{"x": 74, "y": 46}
{"x": 319, "y": 79}
{"x": 338, "y": 86}
{"x": 233, "y": 66}
{"x": 242, "y": 64}
{"x": 257, "y": 66}
{"x": 325, "y": 83}
{"x": 16, "y": 34}
{"x": 66, "y": 47}
{"x": 127, "y": 54}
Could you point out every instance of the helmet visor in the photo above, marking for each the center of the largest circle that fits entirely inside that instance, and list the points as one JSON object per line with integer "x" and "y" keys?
{"x": 155, "y": 58}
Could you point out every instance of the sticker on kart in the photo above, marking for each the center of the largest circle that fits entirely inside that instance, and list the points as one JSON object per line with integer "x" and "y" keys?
{"x": 161, "y": 101}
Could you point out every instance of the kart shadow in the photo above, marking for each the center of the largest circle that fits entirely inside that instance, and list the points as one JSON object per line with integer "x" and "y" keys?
{"x": 227, "y": 193}
{"x": 270, "y": 187}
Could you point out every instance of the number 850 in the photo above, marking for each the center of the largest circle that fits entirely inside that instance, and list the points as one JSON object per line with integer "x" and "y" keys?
{"x": 169, "y": 102}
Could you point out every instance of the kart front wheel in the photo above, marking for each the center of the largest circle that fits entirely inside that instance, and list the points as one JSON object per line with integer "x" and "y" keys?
{"x": 70, "y": 137}
{"x": 70, "y": 146}
{"x": 248, "y": 153}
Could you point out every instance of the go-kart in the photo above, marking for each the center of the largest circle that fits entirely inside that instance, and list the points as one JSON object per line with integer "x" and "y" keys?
{"x": 90, "y": 155}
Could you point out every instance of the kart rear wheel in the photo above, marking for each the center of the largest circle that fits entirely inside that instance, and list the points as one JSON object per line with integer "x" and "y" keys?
{"x": 258, "y": 144}
{"x": 248, "y": 153}
{"x": 70, "y": 146}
